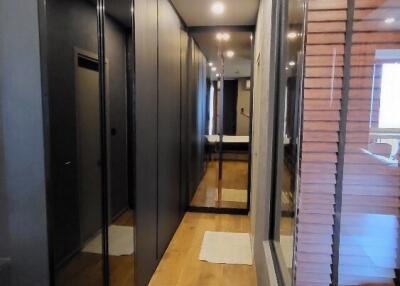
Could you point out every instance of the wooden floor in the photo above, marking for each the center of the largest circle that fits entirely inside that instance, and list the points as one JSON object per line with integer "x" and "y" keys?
{"x": 180, "y": 265}
{"x": 235, "y": 176}
{"x": 86, "y": 269}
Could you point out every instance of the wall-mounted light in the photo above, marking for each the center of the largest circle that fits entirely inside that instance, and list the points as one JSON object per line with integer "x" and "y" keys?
{"x": 218, "y": 8}
{"x": 292, "y": 35}
{"x": 390, "y": 20}
{"x": 230, "y": 54}
{"x": 223, "y": 37}
{"x": 292, "y": 63}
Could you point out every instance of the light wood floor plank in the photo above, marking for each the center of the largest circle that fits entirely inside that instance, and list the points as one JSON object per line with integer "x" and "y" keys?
{"x": 180, "y": 265}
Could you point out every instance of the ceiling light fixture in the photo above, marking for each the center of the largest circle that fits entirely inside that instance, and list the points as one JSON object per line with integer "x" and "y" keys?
{"x": 213, "y": 69}
{"x": 217, "y": 75}
{"x": 210, "y": 64}
{"x": 218, "y": 8}
{"x": 390, "y": 20}
{"x": 292, "y": 63}
{"x": 292, "y": 35}
{"x": 223, "y": 37}
{"x": 230, "y": 54}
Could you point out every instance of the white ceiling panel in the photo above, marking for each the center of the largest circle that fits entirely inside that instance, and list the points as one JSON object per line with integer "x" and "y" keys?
{"x": 198, "y": 12}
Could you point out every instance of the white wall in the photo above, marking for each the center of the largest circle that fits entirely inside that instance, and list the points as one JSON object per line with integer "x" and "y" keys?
{"x": 243, "y": 101}
{"x": 263, "y": 104}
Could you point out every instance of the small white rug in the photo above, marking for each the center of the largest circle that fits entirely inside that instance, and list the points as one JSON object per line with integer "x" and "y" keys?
{"x": 120, "y": 241}
{"x": 233, "y": 195}
{"x": 226, "y": 248}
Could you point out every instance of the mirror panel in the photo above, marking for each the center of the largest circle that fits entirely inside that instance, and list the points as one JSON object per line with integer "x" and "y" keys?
{"x": 119, "y": 74}
{"x": 74, "y": 112}
{"x": 226, "y": 180}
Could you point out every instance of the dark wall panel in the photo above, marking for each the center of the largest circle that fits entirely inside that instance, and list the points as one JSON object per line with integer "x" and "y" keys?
{"x": 23, "y": 221}
{"x": 230, "y": 104}
{"x": 168, "y": 123}
{"x": 146, "y": 139}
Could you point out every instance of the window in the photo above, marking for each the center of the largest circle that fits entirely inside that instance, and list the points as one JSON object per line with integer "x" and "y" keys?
{"x": 389, "y": 112}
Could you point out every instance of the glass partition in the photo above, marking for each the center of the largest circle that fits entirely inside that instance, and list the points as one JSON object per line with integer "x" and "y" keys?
{"x": 369, "y": 225}
{"x": 287, "y": 155}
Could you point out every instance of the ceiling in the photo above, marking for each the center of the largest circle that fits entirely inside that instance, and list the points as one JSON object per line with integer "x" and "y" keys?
{"x": 240, "y": 43}
{"x": 120, "y": 10}
{"x": 198, "y": 12}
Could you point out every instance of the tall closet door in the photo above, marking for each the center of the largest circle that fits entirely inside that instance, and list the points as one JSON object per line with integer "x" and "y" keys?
{"x": 146, "y": 139}
{"x": 168, "y": 123}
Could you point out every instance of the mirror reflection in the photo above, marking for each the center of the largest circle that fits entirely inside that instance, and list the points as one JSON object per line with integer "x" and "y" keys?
{"x": 80, "y": 218}
{"x": 228, "y": 119}
{"x": 119, "y": 97}
{"x": 75, "y": 132}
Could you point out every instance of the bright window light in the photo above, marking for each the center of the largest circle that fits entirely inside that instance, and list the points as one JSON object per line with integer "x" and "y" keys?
{"x": 389, "y": 113}
{"x": 211, "y": 110}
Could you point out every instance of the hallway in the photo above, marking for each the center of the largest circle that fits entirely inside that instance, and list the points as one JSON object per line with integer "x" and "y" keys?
{"x": 180, "y": 264}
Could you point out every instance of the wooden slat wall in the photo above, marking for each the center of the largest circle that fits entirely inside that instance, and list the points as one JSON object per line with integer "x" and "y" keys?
{"x": 323, "y": 84}
{"x": 370, "y": 230}
{"x": 369, "y": 248}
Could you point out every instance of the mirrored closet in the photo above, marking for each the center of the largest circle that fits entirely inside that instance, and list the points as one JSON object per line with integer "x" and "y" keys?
{"x": 226, "y": 180}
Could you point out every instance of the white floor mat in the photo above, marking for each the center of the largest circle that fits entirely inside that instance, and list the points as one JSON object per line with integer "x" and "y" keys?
{"x": 120, "y": 241}
{"x": 226, "y": 247}
{"x": 286, "y": 242}
{"x": 234, "y": 195}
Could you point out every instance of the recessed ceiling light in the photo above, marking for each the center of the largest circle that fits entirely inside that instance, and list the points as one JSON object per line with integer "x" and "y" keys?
{"x": 223, "y": 37}
{"x": 390, "y": 20}
{"x": 292, "y": 35}
{"x": 210, "y": 64}
{"x": 286, "y": 68}
{"x": 218, "y": 8}
{"x": 292, "y": 63}
{"x": 214, "y": 69}
{"x": 217, "y": 75}
{"x": 230, "y": 54}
